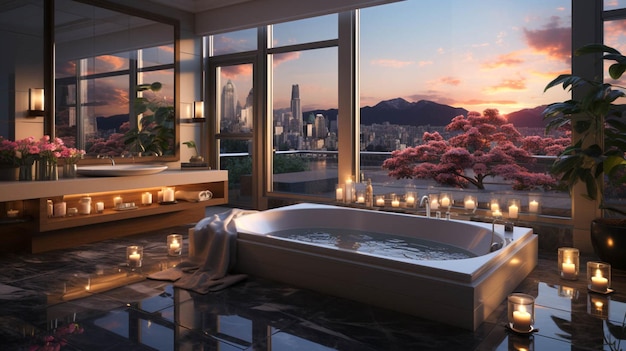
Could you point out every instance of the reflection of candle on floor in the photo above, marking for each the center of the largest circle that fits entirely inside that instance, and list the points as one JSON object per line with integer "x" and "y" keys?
{"x": 521, "y": 320}
{"x": 598, "y": 282}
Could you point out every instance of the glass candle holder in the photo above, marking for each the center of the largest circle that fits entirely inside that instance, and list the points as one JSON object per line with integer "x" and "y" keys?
{"x": 134, "y": 256}
{"x": 514, "y": 208}
{"x": 84, "y": 205}
{"x": 470, "y": 203}
{"x": 568, "y": 263}
{"x": 494, "y": 205}
{"x": 521, "y": 312}
{"x": 598, "y": 276}
{"x": 446, "y": 200}
{"x": 117, "y": 201}
{"x": 598, "y": 306}
{"x": 434, "y": 201}
{"x": 174, "y": 244}
{"x": 395, "y": 201}
{"x": 380, "y": 200}
{"x": 360, "y": 197}
{"x": 410, "y": 199}
{"x": 534, "y": 204}
{"x": 339, "y": 191}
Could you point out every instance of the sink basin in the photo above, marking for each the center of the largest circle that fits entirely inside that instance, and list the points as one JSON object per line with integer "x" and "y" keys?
{"x": 119, "y": 170}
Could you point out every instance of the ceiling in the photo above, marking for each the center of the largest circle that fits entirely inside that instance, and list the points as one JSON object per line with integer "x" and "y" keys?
{"x": 195, "y": 6}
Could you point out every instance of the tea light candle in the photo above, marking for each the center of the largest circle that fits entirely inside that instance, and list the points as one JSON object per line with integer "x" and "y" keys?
{"x": 168, "y": 194}
{"x": 174, "y": 244}
{"x": 380, "y": 201}
{"x": 395, "y": 202}
{"x": 360, "y": 199}
{"x": 494, "y": 206}
{"x": 146, "y": 198}
{"x": 410, "y": 200}
{"x": 521, "y": 310}
{"x": 470, "y": 204}
{"x": 521, "y": 320}
{"x": 445, "y": 201}
{"x": 434, "y": 204}
{"x": 533, "y": 206}
{"x": 99, "y": 206}
{"x": 117, "y": 201}
{"x": 134, "y": 255}
{"x": 568, "y": 262}
{"x": 598, "y": 282}
{"x": 12, "y": 213}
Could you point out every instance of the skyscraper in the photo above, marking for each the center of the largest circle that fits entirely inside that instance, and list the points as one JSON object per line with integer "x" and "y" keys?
{"x": 229, "y": 104}
{"x": 296, "y": 109}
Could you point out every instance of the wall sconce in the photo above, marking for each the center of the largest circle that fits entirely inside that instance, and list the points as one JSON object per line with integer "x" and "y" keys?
{"x": 36, "y": 102}
{"x": 198, "y": 110}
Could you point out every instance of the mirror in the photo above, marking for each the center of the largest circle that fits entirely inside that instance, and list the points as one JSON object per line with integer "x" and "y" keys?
{"x": 115, "y": 81}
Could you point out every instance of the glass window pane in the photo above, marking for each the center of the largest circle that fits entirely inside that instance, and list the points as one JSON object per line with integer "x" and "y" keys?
{"x": 305, "y": 31}
{"x": 155, "y": 56}
{"x": 235, "y": 156}
{"x": 233, "y": 42}
{"x": 106, "y": 63}
{"x": 614, "y": 4}
{"x": 235, "y": 99}
{"x": 415, "y": 80}
{"x": 304, "y": 100}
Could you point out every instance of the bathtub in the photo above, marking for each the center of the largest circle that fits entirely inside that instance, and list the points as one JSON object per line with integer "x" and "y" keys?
{"x": 460, "y": 292}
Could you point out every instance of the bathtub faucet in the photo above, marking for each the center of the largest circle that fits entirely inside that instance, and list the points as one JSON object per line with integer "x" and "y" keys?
{"x": 109, "y": 157}
{"x": 494, "y": 246}
{"x": 425, "y": 202}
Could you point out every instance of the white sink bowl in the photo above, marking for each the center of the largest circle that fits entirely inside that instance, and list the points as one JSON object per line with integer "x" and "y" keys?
{"x": 119, "y": 170}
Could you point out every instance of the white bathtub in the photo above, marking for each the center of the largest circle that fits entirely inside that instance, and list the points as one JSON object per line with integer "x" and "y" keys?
{"x": 459, "y": 292}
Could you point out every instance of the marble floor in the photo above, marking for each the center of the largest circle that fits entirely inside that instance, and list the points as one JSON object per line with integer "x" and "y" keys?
{"x": 87, "y": 299}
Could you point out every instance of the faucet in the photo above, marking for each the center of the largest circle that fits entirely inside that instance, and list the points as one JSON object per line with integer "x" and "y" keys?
{"x": 109, "y": 157}
{"x": 495, "y": 246}
{"x": 425, "y": 201}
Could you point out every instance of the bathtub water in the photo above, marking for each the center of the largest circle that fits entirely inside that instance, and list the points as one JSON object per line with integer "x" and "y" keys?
{"x": 456, "y": 291}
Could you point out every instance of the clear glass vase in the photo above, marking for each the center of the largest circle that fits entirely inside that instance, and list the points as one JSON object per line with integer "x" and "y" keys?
{"x": 25, "y": 172}
{"x": 69, "y": 170}
{"x": 46, "y": 169}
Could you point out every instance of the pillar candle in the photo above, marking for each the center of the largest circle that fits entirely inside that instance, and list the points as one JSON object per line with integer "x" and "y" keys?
{"x": 513, "y": 211}
{"x": 99, "y": 206}
{"x": 168, "y": 195}
{"x": 533, "y": 206}
{"x": 60, "y": 209}
{"x": 146, "y": 198}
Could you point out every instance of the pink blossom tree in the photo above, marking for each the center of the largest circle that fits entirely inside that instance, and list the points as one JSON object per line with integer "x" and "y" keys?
{"x": 486, "y": 146}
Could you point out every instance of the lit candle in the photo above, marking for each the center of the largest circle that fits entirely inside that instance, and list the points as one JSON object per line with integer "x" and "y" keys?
{"x": 470, "y": 204}
{"x": 497, "y": 213}
{"x": 117, "y": 201}
{"x": 445, "y": 201}
{"x": 146, "y": 198}
{"x": 533, "y": 206}
{"x": 495, "y": 207}
{"x": 380, "y": 201}
{"x": 395, "y": 203}
{"x": 339, "y": 194}
{"x": 568, "y": 269}
{"x": 360, "y": 199}
{"x": 410, "y": 200}
{"x": 521, "y": 319}
{"x": 434, "y": 204}
{"x": 60, "y": 209}
{"x": 99, "y": 206}
{"x": 12, "y": 213}
{"x": 513, "y": 211}
{"x": 348, "y": 195}
{"x": 134, "y": 259}
{"x": 168, "y": 195}
{"x": 598, "y": 282}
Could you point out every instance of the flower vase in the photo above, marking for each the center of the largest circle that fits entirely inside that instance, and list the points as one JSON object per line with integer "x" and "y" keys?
{"x": 46, "y": 170}
{"x": 9, "y": 172}
{"x": 25, "y": 172}
{"x": 69, "y": 170}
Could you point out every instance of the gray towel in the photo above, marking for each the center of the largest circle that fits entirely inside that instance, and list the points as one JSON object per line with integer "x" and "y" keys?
{"x": 213, "y": 250}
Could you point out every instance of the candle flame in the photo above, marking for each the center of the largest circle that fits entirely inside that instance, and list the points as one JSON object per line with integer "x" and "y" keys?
{"x": 598, "y": 273}
{"x": 521, "y": 308}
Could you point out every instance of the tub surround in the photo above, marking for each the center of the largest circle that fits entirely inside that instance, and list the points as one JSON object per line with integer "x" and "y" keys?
{"x": 35, "y": 231}
{"x": 456, "y": 292}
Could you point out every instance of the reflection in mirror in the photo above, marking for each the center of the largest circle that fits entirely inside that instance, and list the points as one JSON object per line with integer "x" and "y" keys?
{"x": 114, "y": 82}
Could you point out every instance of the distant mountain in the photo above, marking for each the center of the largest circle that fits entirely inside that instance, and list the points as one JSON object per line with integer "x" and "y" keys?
{"x": 111, "y": 122}
{"x": 530, "y": 117}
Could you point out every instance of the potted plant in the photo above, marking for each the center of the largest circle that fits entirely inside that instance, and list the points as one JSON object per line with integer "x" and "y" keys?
{"x": 195, "y": 158}
{"x": 596, "y": 157}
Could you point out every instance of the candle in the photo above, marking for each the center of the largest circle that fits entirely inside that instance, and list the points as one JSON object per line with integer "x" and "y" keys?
{"x": 568, "y": 269}
{"x": 168, "y": 195}
{"x": 497, "y": 213}
{"x": 434, "y": 204}
{"x": 84, "y": 205}
{"x": 495, "y": 206}
{"x": 380, "y": 201}
{"x": 99, "y": 206}
{"x": 598, "y": 282}
{"x": 117, "y": 201}
{"x": 360, "y": 199}
{"x": 12, "y": 213}
{"x": 410, "y": 200}
{"x": 174, "y": 244}
{"x": 395, "y": 203}
{"x": 348, "y": 195}
{"x": 49, "y": 208}
{"x": 146, "y": 198}
{"x": 445, "y": 201}
{"x": 339, "y": 194}
{"x": 533, "y": 206}
{"x": 134, "y": 258}
{"x": 60, "y": 209}
{"x": 521, "y": 320}
{"x": 135, "y": 255}
{"x": 470, "y": 204}
{"x": 513, "y": 211}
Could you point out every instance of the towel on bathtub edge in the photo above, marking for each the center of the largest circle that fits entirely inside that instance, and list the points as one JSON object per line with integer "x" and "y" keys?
{"x": 214, "y": 254}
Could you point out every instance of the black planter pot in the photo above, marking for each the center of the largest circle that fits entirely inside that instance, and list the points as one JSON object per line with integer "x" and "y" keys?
{"x": 608, "y": 237}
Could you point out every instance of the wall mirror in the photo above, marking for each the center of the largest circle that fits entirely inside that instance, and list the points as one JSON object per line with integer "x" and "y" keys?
{"x": 115, "y": 81}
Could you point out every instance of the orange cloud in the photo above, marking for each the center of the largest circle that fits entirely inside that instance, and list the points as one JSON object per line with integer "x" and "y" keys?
{"x": 277, "y": 59}
{"x": 111, "y": 63}
{"x": 553, "y": 40}
{"x": 233, "y": 72}
{"x": 510, "y": 59}
{"x": 391, "y": 63}
{"x": 450, "y": 81}
{"x": 507, "y": 85}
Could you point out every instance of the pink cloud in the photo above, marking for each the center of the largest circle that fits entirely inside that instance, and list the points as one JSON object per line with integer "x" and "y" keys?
{"x": 507, "y": 85}
{"x": 553, "y": 40}
{"x": 391, "y": 63}
{"x": 510, "y": 59}
{"x": 280, "y": 58}
{"x": 235, "y": 71}
{"x": 450, "y": 81}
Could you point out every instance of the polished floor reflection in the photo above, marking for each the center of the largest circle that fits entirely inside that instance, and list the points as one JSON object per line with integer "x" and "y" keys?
{"x": 87, "y": 299}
